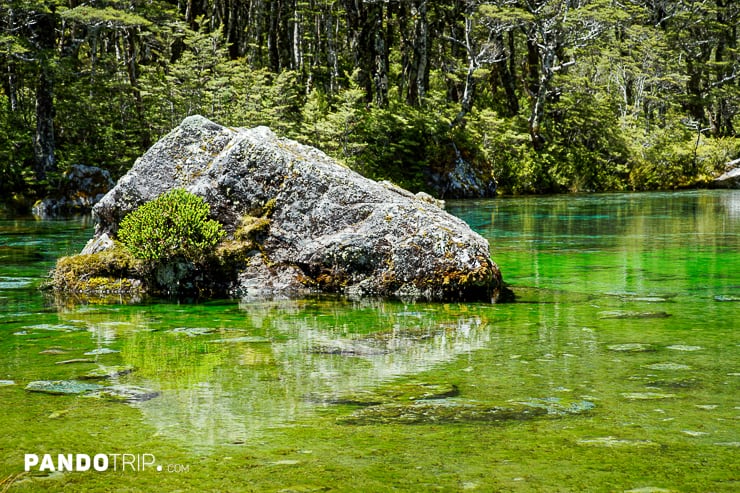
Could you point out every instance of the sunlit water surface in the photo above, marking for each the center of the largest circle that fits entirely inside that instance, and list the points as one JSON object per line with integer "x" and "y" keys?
{"x": 625, "y": 330}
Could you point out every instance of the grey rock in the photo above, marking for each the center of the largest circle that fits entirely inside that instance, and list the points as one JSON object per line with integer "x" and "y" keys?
{"x": 62, "y": 387}
{"x": 611, "y": 442}
{"x": 441, "y": 411}
{"x": 99, "y": 351}
{"x": 124, "y": 393}
{"x": 631, "y": 347}
{"x": 647, "y": 396}
{"x": 626, "y": 315}
{"x": 667, "y": 366}
{"x": 726, "y": 298}
{"x": 400, "y": 393}
{"x": 97, "y": 244}
{"x": 731, "y": 179}
{"x": 330, "y": 229}
{"x": 81, "y": 188}
{"x": 463, "y": 181}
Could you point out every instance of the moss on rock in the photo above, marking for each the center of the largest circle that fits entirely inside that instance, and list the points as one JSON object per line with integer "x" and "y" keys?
{"x": 110, "y": 271}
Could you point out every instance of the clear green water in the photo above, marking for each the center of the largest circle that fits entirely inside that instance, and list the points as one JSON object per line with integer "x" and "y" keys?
{"x": 626, "y": 302}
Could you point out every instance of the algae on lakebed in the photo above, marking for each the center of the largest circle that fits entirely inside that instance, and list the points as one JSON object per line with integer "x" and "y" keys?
{"x": 242, "y": 415}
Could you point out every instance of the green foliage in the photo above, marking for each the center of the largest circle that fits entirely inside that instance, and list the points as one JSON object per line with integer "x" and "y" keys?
{"x": 13, "y": 154}
{"x": 174, "y": 225}
{"x": 621, "y": 85}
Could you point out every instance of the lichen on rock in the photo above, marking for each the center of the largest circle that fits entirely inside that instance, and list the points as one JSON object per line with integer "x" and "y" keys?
{"x": 297, "y": 222}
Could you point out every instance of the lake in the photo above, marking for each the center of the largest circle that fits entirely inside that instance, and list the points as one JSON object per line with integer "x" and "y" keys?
{"x": 617, "y": 369}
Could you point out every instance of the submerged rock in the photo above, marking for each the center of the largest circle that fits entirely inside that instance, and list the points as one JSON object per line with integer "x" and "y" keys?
{"x": 726, "y": 298}
{"x": 675, "y": 383}
{"x": 667, "y": 366}
{"x": 193, "y": 331}
{"x": 407, "y": 392}
{"x": 299, "y": 222}
{"x": 560, "y": 407}
{"x": 625, "y": 315}
{"x": 611, "y": 441}
{"x": 433, "y": 411}
{"x": 631, "y": 347}
{"x": 124, "y": 393}
{"x": 444, "y": 411}
{"x": 99, "y": 351}
{"x": 62, "y": 387}
{"x": 75, "y": 360}
{"x": 684, "y": 347}
{"x": 647, "y": 396}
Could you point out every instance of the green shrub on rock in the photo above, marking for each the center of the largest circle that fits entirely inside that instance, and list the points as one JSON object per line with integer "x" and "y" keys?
{"x": 174, "y": 225}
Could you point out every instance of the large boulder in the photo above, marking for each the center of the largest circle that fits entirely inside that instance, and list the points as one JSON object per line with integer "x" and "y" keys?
{"x": 322, "y": 227}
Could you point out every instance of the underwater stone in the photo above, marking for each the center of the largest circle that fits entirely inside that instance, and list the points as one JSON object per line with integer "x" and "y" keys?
{"x": 635, "y": 347}
{"x": 622, "y": 315}
{"x": 647, "y": 396}
{"x": 693, "y": 433}
{"x": 124, "y": 393}
{"x": 726, "y": 298}
{"x": 76, "y": 360}
{"x": 100, "y": 351}
{"x": 61, "y": 387}
{"x": 682, "y": 347}
{"x": 667, "y": 366}
{"x": 650, "y": 489}
{"x": 435, "y": 412}
{"x": 679, "y": 383}
{"x": 53, "y": 351}
{"x": 408, "y": 392}
{"x": 559, "y": 406}
{"x": 53, "y": 327}
{"x": 193, "y": 331}
{"x": 611, "y": 441}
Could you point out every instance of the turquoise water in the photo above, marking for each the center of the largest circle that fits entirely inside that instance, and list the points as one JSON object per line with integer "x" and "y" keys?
{"x": 616, "y": 370}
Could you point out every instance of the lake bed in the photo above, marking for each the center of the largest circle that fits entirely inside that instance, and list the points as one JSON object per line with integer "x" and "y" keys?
{"x": 615, "y": 370}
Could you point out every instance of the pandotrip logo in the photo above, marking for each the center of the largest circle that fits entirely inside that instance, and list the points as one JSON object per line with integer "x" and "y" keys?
{"x": 98, "y": 462}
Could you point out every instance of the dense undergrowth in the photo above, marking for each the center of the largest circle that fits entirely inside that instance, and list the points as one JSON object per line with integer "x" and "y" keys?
{"x": 541, "y": 97}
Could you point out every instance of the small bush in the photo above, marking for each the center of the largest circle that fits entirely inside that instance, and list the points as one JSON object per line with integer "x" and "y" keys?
{"x": 174, "y": 225}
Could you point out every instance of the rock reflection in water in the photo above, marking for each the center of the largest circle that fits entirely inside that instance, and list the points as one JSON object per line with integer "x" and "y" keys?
{"x": 235, "y": 383}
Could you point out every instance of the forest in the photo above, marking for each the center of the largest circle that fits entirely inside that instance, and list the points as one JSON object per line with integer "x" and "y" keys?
{"x": 533, "y": 96}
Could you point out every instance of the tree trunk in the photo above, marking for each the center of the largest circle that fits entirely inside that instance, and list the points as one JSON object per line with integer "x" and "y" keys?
{"x": 361, "y": 45}
{"x": 380, "y": 52}
{"x": 418, "y": 69}
{"x": 537, "y": 114}
{"x": 533, "y": 64}
{"x": 273, "y": 54}
{"x": 43, "y": 142}
{"x": 504, "y": 71}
